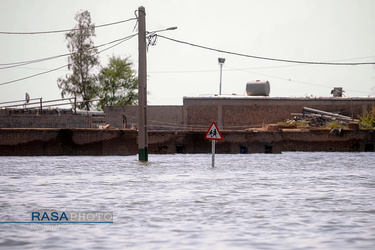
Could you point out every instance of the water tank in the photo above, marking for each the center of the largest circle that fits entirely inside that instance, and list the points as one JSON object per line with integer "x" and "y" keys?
{"x": 258, "y": 88}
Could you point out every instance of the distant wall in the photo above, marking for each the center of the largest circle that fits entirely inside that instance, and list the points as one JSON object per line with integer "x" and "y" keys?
{"x": 243, "y": 112}
{"x": 50, "y": 118}
{"x": 44, "y": 121}
{"x": 233, "y": 113}
{"x": 159, "y": 117}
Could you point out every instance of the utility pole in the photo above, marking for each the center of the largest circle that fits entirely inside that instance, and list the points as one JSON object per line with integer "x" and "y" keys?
{"x": 142, "y": 87}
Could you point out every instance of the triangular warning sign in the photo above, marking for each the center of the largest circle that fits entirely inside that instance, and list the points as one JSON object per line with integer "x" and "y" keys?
{"x": 213, "y": 133}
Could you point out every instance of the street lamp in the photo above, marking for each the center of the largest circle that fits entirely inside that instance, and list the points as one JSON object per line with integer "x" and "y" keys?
{"x": 221, "y": 62}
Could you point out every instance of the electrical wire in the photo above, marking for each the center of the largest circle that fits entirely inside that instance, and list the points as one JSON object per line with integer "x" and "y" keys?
{"x": 119, "y": 42}
{"x": 184, "y": 71}
{"x": 292, "y": 80}
{"x": 27, "y": 77}
{"x": 267, "y": 58}
{"x": 17, "y": 64}
{"x": 65, "y": 30}
{"x": 58, "y": 68}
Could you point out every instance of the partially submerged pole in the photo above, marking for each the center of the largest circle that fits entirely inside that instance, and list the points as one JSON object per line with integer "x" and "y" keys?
{"x": 213, "y": 153}
{"x": 142, "y": 87}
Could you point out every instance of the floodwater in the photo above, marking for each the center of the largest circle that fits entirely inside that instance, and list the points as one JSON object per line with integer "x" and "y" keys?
{"x": 251, "y": 201}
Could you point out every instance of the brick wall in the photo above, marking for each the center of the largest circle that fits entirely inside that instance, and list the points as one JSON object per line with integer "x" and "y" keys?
{"x": 200, "y": 116}
{"x": 244, "y": 112}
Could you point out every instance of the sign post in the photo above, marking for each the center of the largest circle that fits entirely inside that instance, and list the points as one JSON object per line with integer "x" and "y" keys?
{"x": 213, "y": 153}
{"x": 214, "y": 135}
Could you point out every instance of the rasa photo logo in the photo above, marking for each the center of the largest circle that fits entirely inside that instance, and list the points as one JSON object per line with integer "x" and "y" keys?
{"x": 50, "y": 216}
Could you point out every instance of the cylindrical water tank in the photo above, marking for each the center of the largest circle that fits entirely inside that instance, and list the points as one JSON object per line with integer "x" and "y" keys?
{"x": 258, "y": 88}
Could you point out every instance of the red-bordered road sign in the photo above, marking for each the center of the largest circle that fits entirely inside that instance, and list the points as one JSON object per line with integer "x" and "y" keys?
{"x": 213, "y": 133}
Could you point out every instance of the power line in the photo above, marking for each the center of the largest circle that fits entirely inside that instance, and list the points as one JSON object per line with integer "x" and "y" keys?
{"x": 267, "y": 58}
{"x": 292, "y": 80}
{"x": 184, "y": 71}
{"x": 60, "y": 31}
{"x": 236, "y": 69}
{"x": 55, "y": 69}
{"x": 119, "y": 42}
{"x": 17, "y": 64}
{"x": 27, "y": 77}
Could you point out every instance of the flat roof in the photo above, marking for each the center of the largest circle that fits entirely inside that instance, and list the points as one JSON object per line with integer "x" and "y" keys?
{"x": 301, "y": 98}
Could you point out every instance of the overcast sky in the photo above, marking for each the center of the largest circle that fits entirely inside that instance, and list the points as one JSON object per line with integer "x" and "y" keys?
{"x": 319, "y": 30}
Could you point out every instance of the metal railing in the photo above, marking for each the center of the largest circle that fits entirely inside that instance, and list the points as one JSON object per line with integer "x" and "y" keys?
{"x": 38, "y": 103}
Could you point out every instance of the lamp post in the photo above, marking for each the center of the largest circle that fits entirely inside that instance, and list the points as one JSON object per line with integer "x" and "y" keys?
{"x": 221, "y": 62}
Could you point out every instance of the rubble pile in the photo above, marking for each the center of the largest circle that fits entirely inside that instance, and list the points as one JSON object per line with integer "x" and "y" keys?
{"x": 318, "y": 118}
{"x": 318, "y": 121}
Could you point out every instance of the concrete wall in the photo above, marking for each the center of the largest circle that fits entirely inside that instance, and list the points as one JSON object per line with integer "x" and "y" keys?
{"x": 124, "y": 142}
{"x": 49, "y": 118}
{"x": 264, "y": 141}
{"x": 46, "y": 121}
{"x": 30, "y": 142}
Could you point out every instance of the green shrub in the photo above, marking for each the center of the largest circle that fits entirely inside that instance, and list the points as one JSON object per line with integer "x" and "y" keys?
{"x": 368, "y": 121}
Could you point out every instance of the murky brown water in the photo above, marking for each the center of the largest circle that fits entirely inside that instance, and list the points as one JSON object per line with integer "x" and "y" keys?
{"x": 254, "y": 201}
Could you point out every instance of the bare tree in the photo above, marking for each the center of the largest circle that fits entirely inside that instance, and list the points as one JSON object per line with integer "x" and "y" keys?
{"x": 82, "y": 62}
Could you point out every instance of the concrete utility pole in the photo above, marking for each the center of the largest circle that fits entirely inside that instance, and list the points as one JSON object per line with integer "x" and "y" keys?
{"x": 142, "y": 87}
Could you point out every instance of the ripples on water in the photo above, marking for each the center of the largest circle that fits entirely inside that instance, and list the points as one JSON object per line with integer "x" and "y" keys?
{"x": 253, "y": 201}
